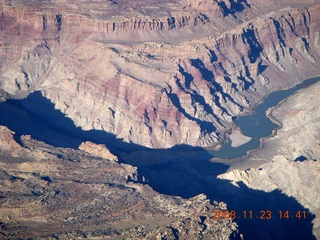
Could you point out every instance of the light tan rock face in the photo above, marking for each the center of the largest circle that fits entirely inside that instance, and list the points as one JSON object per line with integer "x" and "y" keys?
{"x": 97, "y": 150}
{"x": 50, "y": 193}
{"x": 300, "y": 133}
{"x": 298, "y": 140}
{"x": 157, "y": 74}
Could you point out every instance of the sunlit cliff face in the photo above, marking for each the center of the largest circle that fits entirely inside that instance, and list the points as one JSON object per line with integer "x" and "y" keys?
{"x": 158, "y": 76}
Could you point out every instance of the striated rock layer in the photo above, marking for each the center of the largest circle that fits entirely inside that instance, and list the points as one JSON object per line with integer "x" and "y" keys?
{"x": 157, "y": 74}
{"x": 60, "y": 193}
{"x": 294, "y": 151}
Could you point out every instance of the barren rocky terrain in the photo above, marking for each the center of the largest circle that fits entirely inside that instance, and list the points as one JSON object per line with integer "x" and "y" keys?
{"x": 60, "y": 193}
{"x": 157, "y": 74}
{"x": 294, "y": 153}
{"x": 101, "y": 79}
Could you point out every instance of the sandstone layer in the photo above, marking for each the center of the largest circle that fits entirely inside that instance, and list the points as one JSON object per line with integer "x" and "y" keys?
{"x": 60, "y": 193}
{"x": 157, "y": 73}
{"x": 294, "y": 151}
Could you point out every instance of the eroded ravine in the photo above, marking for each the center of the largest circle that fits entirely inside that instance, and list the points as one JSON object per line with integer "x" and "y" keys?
{"x": 156, "y": 84}
{"x": 153, "y": 93}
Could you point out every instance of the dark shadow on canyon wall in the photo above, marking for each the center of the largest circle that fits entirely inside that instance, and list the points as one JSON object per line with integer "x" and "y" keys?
{"x": 195, "y": 175}
{"x": 235, "y": 6}
{"x": 36, "y": 116}
{"x": 183, "y": 171}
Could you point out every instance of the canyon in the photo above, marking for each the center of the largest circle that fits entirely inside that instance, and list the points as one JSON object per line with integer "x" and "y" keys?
{"x": 181, "y": 83}
{"x": 293, "y": 154}
{"x": 50, "y": 193}
{"x": 129, "y": 81}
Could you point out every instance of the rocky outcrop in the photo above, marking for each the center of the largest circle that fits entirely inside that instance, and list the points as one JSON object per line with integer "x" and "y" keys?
{"x": 97, "y": 150}
{"x": 50, "y": 193}
{"x": 181, "y": 84}
{"x": 294, "y": 153}
{"x": 298, "y": 137}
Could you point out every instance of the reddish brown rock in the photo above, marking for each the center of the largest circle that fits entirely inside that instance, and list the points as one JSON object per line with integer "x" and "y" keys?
{"x": 49, "y": 193}
{"x": 157, "y": 76}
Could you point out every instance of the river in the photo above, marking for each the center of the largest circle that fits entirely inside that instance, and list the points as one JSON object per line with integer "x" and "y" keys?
{"x": 258, "y": 125}
{"x": 37, "y": 117}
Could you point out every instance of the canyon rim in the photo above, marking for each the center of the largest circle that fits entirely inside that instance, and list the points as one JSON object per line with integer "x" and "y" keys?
{"x": 152, "y": 75}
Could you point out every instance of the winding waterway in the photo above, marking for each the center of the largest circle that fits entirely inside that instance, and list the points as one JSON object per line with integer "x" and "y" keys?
{"x": 37, "y": 117}
{"x": 258, "y": 125}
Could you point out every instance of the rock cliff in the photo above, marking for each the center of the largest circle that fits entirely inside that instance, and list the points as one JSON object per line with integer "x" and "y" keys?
{"x": 61, "y": 193}
{"x": 294, "y": 153}
{"x": 157, "y": 74}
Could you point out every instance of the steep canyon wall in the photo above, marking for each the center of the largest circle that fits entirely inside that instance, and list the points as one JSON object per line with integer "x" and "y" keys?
{"x": 157, "y": 77}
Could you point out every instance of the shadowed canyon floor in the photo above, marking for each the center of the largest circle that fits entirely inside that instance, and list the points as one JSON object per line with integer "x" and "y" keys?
{"x": 115, "y": 103}
{"x": 183, "y": 171}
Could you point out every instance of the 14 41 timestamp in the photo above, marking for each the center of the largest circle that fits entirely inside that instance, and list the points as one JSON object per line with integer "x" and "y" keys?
{"x": 262, "y": 214}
